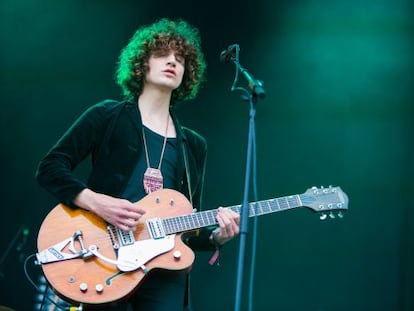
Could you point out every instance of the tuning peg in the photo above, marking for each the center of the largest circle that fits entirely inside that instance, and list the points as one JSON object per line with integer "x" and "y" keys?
{"x": 315, "y": 190}
{"x": 323, "y": 216}
{"x": 340, "y": 215}
{"x": 331, "y": 215}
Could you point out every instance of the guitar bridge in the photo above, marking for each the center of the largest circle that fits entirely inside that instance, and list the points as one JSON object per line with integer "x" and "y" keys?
{"x": 119, "y": 237}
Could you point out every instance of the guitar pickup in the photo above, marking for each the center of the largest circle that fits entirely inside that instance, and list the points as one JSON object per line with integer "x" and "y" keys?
{"x": 156, "y": 228}
{"x": 55, "y": 252}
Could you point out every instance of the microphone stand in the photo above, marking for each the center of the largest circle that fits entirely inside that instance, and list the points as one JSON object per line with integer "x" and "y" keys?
{"x": 256, "y": 91}
{"x": 20, "y": 234}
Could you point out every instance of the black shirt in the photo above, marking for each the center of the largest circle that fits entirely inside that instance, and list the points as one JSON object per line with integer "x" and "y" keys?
{"x": 160, "y": 291}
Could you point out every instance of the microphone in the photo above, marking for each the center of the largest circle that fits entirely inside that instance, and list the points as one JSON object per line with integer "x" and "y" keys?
{"x": 255, "y": 85}
{"x": 229, "y": 53}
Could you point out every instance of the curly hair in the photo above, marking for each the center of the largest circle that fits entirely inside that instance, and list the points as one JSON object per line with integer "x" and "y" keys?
{"x": 161, "y": 37}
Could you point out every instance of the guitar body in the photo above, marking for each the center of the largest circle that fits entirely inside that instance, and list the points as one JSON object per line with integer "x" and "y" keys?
{"x": 70, "y": 277}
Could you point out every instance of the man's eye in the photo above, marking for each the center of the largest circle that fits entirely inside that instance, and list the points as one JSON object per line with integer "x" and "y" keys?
{"x": 159, "y": 54}
{"x": 180, "y": 59}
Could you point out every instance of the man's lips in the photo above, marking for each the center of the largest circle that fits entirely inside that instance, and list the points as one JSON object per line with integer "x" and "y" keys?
{"x": 169, "y": 71}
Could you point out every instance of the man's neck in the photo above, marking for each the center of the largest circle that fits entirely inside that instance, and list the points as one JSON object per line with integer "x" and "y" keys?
{"x": 154, "y": 109}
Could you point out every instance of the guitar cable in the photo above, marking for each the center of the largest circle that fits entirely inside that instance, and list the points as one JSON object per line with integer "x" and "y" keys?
{"x": 66, "y": 307}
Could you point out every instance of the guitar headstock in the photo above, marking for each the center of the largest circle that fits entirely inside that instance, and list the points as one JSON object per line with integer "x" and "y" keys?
{"x": 326, "y": 200}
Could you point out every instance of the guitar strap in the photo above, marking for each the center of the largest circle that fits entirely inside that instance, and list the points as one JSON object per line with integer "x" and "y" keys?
{"x": 215, "y": 257}
{"x": 187, "y": 171}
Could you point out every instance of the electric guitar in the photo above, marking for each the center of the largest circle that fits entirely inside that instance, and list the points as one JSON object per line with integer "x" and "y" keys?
{"x": 87, "y": 261}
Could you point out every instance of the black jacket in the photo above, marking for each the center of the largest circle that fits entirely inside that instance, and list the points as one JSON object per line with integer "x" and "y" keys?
{"x": 110, "y": 132}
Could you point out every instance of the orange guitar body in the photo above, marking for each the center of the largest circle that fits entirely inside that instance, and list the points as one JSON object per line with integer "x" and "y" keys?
{"x": 96, "y": 281}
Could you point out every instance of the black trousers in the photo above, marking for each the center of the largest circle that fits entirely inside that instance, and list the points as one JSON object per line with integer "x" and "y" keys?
{"x": 160, "y": 292}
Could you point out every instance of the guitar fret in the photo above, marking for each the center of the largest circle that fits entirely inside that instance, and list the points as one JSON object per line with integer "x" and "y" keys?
{"x": 200, "y": 219}
{"x": 254, "y": 209}
{"x": 166, "y": 225}
{"x": 176, "y": 224}
{"x": 171, "y": 225}
{"x": 274, "y": 205}
{"x": 206, "y": 218}
{"x": 181, "y": 223}
{"x": 196, "y": 221}
{"x": 293, "y": 201}
{"x": 184, "y": 223}
{"x": 188, "y": 219}
{"x": 283, "y": 203}
{"x": 260, "y": 204}
{"x": 251, "y": 210}
{"x": 190, "y": 222}
{"x": 212, "y": 216}
{"x": 266, "y": 208}
{"x": 193, "y": 219}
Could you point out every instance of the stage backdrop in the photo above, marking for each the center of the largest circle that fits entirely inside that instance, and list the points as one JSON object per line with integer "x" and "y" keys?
{"x": 338, "y": 111}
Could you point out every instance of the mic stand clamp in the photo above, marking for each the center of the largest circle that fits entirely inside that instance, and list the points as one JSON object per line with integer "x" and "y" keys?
{"x": 255, "y": 86}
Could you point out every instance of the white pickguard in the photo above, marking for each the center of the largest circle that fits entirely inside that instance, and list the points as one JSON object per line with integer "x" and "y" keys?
{"x": 134, "y": 256}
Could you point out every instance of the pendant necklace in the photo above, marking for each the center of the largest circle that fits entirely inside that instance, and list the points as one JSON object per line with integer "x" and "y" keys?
{"x": 152, "y": 177}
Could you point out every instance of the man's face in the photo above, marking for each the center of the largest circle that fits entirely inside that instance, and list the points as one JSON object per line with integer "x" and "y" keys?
{"x": 166, "y": 69}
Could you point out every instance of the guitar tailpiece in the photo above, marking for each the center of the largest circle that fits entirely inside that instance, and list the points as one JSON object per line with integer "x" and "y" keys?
{"x": 54, "y": 253}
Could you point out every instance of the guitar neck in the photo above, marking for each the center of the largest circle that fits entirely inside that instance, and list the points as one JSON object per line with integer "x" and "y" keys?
{"x": 208, "y": 218}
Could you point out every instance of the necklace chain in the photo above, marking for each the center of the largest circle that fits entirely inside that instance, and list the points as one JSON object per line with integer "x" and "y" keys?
{"x": 163, "y": 145}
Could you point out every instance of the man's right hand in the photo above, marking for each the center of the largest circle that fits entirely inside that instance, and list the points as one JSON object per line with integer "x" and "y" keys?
{"x": 118, "y": 212}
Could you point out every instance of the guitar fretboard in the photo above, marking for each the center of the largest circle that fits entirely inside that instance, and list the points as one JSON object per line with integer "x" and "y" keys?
{"x": 208, "y": 218}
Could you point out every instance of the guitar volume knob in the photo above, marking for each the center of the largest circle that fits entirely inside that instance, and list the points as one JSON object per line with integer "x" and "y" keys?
{"x": 177, "y": 255}
{"x": 83, "y": 287}
{"x": 99, "y": 288}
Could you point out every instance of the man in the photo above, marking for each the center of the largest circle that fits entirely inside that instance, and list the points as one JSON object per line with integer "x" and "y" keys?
{"x": 137, "y": 146}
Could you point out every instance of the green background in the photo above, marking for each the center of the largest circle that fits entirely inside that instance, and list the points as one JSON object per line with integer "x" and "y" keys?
{"x": 338, "y": 111}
